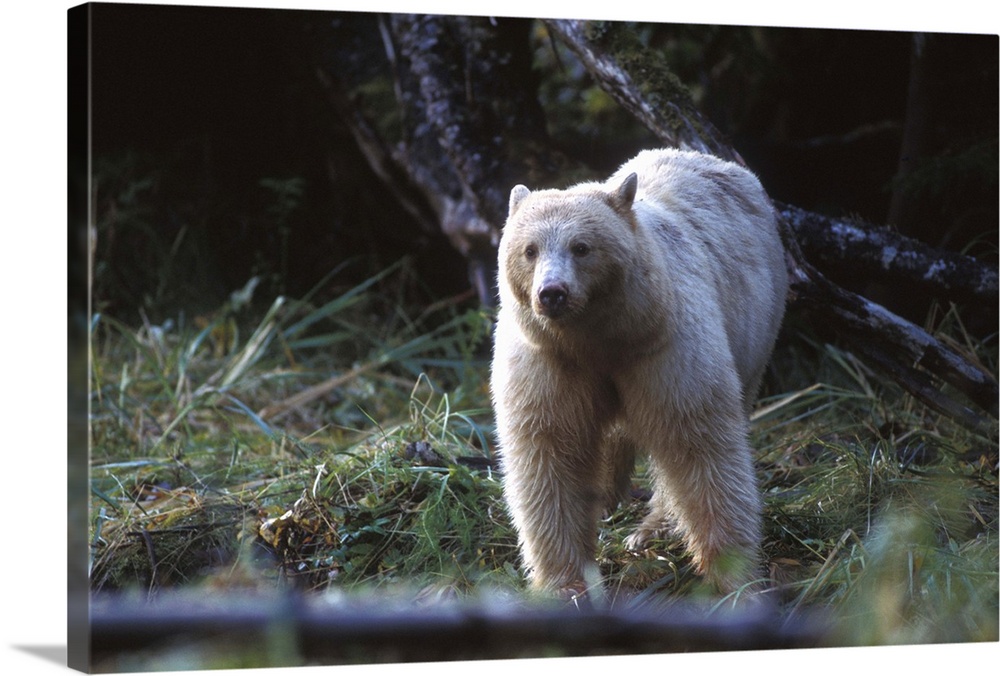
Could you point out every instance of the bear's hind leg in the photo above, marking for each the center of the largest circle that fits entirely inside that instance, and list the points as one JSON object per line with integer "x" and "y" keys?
{"x": 618, "y": 452}
{"x": 705, "y": 490}
{"x": 659, "y": 524}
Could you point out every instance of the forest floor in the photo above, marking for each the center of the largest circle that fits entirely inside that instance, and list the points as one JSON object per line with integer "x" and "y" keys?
{"x": 342, "y": 447}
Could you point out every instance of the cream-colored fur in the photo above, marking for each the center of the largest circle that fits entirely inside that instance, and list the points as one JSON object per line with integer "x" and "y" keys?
{"x": 636, "y": 315}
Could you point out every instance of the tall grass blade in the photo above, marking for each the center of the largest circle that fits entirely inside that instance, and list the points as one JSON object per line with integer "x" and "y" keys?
{"x": 254, "y": 348}
{"x": 340, "y": 303}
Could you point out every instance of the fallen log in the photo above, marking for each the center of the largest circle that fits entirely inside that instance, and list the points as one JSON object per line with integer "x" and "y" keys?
{"x": 372, "y": 630}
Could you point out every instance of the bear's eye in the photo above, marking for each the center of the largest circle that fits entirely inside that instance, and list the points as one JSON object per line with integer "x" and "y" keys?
{"x": 580, "y": 249}
{"x": 530, "y": 252}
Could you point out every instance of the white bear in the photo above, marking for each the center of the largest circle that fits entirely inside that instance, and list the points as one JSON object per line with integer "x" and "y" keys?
{"x": 637, "y": 315}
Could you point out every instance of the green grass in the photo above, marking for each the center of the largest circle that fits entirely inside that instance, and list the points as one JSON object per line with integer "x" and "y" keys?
{"x": 344, "y": 445}
{"x": 194, "y": 439}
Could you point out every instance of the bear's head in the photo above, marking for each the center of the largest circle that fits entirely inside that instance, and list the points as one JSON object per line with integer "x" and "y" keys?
{"x": 563, "y": 253}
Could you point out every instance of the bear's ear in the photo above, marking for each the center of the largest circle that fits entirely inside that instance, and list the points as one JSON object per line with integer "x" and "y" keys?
{"x": 517, "y": 195}
{"x": 622, "y": 198}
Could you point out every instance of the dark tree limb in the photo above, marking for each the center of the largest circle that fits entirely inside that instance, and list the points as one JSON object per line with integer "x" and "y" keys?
{"x": 908, "y": 354}
{"x": 643, "y": 84}
{"x": 882, "y": 253}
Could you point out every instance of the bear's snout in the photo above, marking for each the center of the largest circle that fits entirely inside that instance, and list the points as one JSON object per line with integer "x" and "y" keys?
{"x": 553, "y": 299}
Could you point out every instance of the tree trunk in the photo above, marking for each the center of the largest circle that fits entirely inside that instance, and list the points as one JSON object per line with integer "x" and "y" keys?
{"x": 914, "y": 132}
{"x": 471, "y": 127}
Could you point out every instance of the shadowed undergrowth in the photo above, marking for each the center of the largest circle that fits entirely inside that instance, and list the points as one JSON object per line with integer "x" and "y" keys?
{"x": 344, "y": 445}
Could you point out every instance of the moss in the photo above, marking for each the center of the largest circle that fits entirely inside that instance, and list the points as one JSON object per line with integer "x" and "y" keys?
{"x": 669, "y": 97}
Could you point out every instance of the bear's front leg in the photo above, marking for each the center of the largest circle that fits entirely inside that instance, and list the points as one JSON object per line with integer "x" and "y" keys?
{"x": 548, "y": 425}
{"x": 555, "y": 507}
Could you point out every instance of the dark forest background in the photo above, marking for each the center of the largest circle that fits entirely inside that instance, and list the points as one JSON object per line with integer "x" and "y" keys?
{"x": 218, "y": 155}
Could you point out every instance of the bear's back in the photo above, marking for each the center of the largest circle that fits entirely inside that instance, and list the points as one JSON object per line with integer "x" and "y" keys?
{"x": 713, "y": 227}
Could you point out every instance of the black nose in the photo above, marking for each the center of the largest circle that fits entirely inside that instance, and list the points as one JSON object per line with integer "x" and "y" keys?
{"x": 553, "y": 298}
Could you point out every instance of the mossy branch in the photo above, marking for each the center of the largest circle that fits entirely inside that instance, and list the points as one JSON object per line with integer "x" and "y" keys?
{"x": 641, "y": 82}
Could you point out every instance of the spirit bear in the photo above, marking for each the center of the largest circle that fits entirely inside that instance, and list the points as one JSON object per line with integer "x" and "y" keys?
{"x": 637, "y": 315}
